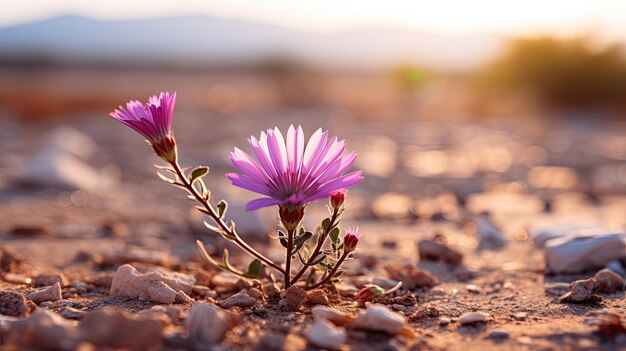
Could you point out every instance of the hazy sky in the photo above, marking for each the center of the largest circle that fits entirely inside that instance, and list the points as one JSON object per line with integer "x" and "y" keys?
{"x": 606, "y": 18}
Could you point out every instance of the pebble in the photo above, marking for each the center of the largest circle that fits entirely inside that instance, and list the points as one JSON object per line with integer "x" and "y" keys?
{"x": 14, "y": 304}
{"x": 379, "y": 318}
{"x": 71, "y": 313}
{"x": 574, "y": 254}
{"x": 325, "y": 335}
{"x": 509, "y": 298}
{"x": 295, "y": 297}
{"x": 336, "y": 317}
{"x": 410, "y": 276}
{"x": 498, "y": 334}
{"x": 112, "y": 329}
{"x": 520, "y": 316}
{"x": 17, "y": 279}
{"x": 153, "y": 286}
{"x": 207, "y": 324}
{"x": 489, "y": 234}
{"x": 608, "y": 281}
{"x": 50, "y": 293}
{"x": 256, "y": 293}
{"x": 183, "y": 298}
{"x": 474, "y": 289}
{"x": 42, "y": 330}
{"x": 617, "y": 267}
{"x": 226, "y": 282}
{"x": 443, "y": 321}
{"x": 203, "y": 291}
{"x": 434, "y": 251}
{"x": 50, "y": 279}
{"x": 580, "y": 291}
{"x": 317, "y": 297}
{"x": 474, "y": 317}
{"x": 240, "y": 299}
{"x": 556, "y": 289}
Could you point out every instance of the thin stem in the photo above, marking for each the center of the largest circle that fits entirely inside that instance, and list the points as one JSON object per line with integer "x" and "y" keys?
{"x": 218, "y": 220}
{"x": 331, "y": 274}
{"x": 290, "y": 234}
{"x": 318, "y": 247}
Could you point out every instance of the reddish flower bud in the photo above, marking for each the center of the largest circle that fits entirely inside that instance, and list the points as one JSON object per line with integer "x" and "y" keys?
{"x": 291, "y": 215}
{"x": 351, "y": 239}
{"x": 369, "y": 293}
{"x": 337, "y": 199}
{"x": 165, "y": 148}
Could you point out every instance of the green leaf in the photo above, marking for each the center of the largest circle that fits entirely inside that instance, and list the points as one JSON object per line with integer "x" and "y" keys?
{"x": 325, "y": 223}
{"x": 318, "y": 261}
{"x": 222, "y": 206}
{"x": 282, "y": 237}
{"x": 301, "y": 239}
{"x": 254, "y": 269}
{"x": 198, "y": 172}
{"x": 334, "y": 235}
{"x": 339, "y": 273}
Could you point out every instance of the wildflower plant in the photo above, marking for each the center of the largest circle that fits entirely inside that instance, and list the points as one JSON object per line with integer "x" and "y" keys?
{"x": 287, "y": 173}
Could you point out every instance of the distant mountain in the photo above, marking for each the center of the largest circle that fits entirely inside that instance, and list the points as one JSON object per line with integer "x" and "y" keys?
{"x": 212, "y": 40}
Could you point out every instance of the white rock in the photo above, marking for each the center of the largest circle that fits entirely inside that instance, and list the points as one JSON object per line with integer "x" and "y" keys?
{"x": 577, "y": 254}
{"x": 327, "y": 313}
{"x": 50, "y": 293}
{"x": 326, "y": 335}
{"x": 380, "y": 318}
{"x": 207, "y": 324}
{"x": 475, "y": 317}
{"x": 153, "y": 286}
{"x": 543, "y": 232}
{"x": 71, "y": 141}
{"x": 54, "y": 168}
{"x": 489, "y": 234}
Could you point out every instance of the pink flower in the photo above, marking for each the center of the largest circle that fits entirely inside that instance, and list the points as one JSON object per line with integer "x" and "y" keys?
{"x": 288, "y": 174}
{"x": 153, "y": 120}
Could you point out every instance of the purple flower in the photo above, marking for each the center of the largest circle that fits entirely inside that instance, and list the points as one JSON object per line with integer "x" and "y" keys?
{"x": 290, "y": 175}
{"x": 153, "y": 120}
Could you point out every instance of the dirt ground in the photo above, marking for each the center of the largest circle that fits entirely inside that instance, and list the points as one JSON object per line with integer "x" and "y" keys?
{"x": 54, "y": 230}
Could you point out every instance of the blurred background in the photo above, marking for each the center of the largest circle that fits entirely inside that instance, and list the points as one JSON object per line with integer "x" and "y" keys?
{"x": 451, "y": 105}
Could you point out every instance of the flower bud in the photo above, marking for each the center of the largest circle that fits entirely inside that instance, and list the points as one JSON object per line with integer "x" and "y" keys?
{"x": 351, "y": 239}
{"x": 369, "y": 293}
{"x": 337, "y": 199}
{"x": 165, "y": 148}
{"x": 291, "y": 216}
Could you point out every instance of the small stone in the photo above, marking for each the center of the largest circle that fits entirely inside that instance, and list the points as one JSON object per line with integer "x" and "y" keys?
{"x": 556, "y": 289}
{"x": 399, "y": 307}
{"x": 295, "y": 297}
{"x": 490, "y": 236}
{"x": 203, "y": 291}
{"x": 50, "y": 279}
{"x": 81, "y": 288}
{"x": 431, "y": 250}
{"x": 72, "y": 313}
{"x": 573, "y": 254}
{"x": 410, "y": 276}
{"x": 271, "y": 290}
{"x": 510, "y": 298}
{"x": 608, "y": 281}
{"x": 42, "y": 330}
{"x": 524, "y": 340}
{"x": 379, "y": 318}
{"x": 443, "y": 321}
{"x": 498, "y": 334}
{"x": 240, "y": 299}
{"x": 51, "y": 293}
{"x": 207, "y": 324}
{"x": 17, "y": 278}
{"x": 580, "y": 291}
{"x": 474, "y": 289}
{"x": 317, "y": 297}
{"x": 474, "y": 317}
{"x": 225, "y": 282}
{"x": 256, "y": 293}
{"x": 14, "y": 305}
{"x": 407, "y": 299}
{"x": 156, "y": 286}
{"x": 617, "y": 267}
{"x": 325, "y": 335}
{"x": 520, "y": 316}
{"x": 183, "y": 298}
{"x": 332, "y": 315}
